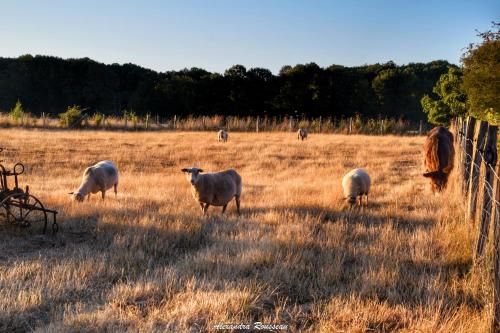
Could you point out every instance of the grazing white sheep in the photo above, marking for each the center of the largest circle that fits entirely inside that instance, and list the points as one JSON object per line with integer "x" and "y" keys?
{"x": 356, "y": 183}
{"x": 302, "y": 134}
{"x": 222, "y": 135}
{"x": 215, "y": 189}
{"x": 97, "y": 178}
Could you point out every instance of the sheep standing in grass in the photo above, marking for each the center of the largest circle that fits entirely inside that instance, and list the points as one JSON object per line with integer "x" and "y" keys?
{"x": 222, "y": 136}
{"x": 97, "y": 178}
{"x": 215, "y": 189}
{"x": 356, "y": 183}
{"x": 302, "y": 134}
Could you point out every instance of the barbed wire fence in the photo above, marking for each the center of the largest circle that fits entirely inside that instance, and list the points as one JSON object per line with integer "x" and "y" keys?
{"x": 480, "y": 183}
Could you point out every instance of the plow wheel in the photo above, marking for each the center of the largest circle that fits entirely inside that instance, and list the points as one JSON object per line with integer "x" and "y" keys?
{"x": 24, "y": 210}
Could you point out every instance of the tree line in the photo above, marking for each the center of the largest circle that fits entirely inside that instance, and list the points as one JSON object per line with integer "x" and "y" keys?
{"x": 46, "y": 84}
{"x": 474, "y": 88}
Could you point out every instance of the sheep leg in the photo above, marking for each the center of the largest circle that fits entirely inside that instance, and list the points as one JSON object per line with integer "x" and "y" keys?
{"x": 367, "y": 198}
{"x": 224, "y": 208}
{"x": 202, "y": 205}
{"x": 103, "y": 194}
{"x": 88, "y": 196}
{"x": 238, "y": 204}
{"x": 205, "y": 209}
{"x": 116, "y": 189}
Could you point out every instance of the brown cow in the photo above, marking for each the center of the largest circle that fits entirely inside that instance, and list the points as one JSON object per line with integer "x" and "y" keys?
{"x": 439, "y": 155}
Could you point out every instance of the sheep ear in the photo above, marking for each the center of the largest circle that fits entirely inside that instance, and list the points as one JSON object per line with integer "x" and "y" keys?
{"x": 200, "y": 170}
{"x": 71, "y": 193}
{"x": 184, "y": 170}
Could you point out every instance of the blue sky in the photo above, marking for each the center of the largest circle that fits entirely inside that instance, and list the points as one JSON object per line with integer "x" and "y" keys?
{"x": 216, "y": 34}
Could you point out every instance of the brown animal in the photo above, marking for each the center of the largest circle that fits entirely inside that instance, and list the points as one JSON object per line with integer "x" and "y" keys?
{"x": 439, "y": 155}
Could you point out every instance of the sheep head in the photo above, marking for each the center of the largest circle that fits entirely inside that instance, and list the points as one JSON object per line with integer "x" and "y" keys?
{"x": 192, "y": 174}
{"x": 76, "y": 196}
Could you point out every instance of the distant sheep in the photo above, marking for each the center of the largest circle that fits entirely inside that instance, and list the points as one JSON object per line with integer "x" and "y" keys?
{"x": 97, "y": 178}
{"x": 216, "y": 189}
{"x": 302, "y": 134}
{"x": 438, "y": 157}
{"x": 356, "y": 183}
{"x": 222, "y": 135}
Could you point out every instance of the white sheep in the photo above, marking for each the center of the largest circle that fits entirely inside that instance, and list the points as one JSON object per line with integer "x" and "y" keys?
{"x": 97, "y": 178}
{"x": 215, "y": 189}
{"x": 302, "y": 134}
{"x": 222, "y": 135}
{"x": 356, "y": 183}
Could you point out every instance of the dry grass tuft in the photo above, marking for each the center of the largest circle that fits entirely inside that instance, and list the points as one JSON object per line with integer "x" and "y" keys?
{"x": 147, "y": 261}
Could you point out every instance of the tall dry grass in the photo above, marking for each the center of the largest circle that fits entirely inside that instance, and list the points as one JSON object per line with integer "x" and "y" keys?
{"x": 148, "y": 261}
{"x": 353, "y": 125}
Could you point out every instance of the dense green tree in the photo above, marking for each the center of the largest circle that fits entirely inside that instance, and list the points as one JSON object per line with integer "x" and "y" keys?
{"x": 451, "y": 100}
{"x": 481, "y": 79}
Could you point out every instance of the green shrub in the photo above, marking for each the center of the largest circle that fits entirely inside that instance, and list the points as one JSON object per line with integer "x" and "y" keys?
{"x": 131, "y": 116}
{"x": 17, "y": 112}
{"x": 72, "y": 117}
{"x": 134, "y": 119}
{"x": 98, "y": 118}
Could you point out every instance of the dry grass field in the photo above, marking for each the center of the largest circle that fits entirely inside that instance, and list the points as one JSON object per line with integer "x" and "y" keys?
{"x": 147, "y": 261}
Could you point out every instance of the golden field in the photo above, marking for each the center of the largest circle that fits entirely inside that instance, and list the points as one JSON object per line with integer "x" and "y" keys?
{"x": 147, "y": 261}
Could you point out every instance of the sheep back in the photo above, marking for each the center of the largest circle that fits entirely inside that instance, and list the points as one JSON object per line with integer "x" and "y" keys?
{"x": 356, "y": 182}
{"x": 102, "y": 175}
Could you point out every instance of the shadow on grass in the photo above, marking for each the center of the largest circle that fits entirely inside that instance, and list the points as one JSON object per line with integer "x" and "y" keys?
{"x": 130, "y": 250}
{"x": 206, "y": 248}
{"x": 354, "y": 216}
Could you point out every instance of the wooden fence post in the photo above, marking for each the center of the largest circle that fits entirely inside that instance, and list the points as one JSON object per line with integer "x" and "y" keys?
{"x": 468, "y": 144}
{"x": 490, "y": 159}
{"x": 474, "y": 172}
{"x": 382, "y": 126}
{"x": 291, "y": 123}
{"x": 495, "y": 327}
{"x": 459, "y": 144}
{"x": 464, "y": 130}
{"x": 43, "y": 119}
{"x": 157, "y": 120}
{"x": 320, "y": 124}
{"x": 175, "y": 120}
{"x": 350, "y": 125}
{"x": 420, "y": 127}
{"x": 257, "y": 125}
{"x": 147, "y": 121}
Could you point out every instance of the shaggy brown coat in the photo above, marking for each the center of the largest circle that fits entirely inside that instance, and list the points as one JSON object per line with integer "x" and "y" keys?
{"x": 439, "y": 154}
